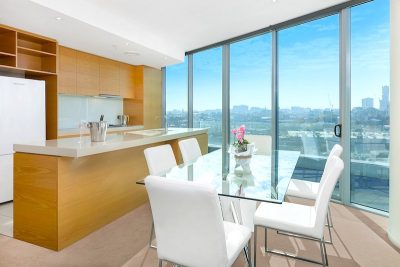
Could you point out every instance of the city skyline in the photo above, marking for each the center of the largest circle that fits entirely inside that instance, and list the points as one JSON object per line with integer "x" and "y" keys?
{"x": 312, "y": 47}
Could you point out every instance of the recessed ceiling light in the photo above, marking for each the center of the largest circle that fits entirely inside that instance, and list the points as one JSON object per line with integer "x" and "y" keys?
{"x": 127, "y": 43}
{"x": 58, "y": 18}
{"x": 132, "y": 53}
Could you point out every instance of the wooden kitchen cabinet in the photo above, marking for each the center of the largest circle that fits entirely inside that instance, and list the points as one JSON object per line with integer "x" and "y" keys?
{"x": 109, "y": 77}
{"x": 126, "y": 81}
{"x": 87, "y": 77}
{"x": 67, "y": 81}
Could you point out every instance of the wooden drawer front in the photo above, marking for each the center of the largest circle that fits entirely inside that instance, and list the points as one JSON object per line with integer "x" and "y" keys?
{"x": 109, "y": 77}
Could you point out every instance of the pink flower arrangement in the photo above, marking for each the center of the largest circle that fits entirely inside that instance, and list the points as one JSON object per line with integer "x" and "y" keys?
{"x": 240, "y": 143}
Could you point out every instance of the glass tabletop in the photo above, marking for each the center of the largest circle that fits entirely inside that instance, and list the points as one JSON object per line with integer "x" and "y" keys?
{"x": 258, "y": 177}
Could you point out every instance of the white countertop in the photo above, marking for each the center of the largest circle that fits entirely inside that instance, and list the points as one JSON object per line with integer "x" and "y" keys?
{"x": 75, "y": 131}
{"x": 80, "y": 147}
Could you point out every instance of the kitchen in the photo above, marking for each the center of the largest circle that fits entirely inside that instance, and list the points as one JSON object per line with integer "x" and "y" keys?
{"x": 63, "y": 106}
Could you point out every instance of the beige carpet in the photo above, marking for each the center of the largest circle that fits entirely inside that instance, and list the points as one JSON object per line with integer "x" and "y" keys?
{"x": 359, "y": 240}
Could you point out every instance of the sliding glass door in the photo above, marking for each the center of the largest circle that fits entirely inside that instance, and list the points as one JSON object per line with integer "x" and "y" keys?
{"x": 308, "y": 86}
{"x": 369, "y": 171}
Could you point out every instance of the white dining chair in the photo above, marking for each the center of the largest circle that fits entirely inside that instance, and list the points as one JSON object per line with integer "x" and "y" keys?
{"x": 189, "y": 226}
{"x": 159, "y": 159}
{"x": 309, "y": 190}
{"x": 190, "y": 149}
{"x": 302, "y": 220}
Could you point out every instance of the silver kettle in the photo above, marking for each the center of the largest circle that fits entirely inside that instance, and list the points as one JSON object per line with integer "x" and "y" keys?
{"x": 123, "y": 120}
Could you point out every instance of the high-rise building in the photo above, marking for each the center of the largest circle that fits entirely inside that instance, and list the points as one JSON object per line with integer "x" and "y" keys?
{"x": 367, "y": 102}
{"x": 240, "y": 109}
{"x": 384, "y": 102}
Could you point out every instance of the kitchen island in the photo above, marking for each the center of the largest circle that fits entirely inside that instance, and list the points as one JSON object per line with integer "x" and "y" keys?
{"x": 67, "y": 188}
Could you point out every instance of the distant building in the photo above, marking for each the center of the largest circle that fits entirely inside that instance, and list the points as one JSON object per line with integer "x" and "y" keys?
{"x": 367, "y": 102}
{"x": 384, "y": 102}
{"x": 240, "y": 109}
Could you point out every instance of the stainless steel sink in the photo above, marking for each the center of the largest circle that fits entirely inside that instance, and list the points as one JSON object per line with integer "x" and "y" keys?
{"x": 151, "y": 132}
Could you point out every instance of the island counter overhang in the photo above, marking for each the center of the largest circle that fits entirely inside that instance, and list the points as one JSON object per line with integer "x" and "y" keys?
{"x": 68, "y": 188}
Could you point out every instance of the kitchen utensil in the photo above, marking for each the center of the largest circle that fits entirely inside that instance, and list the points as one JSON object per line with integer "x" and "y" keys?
{"x": 123, "y": 119}
{"x": 98, "y": 130}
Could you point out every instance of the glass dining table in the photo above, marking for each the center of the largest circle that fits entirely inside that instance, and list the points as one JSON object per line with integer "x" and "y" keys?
{"x": 261, "y": 177}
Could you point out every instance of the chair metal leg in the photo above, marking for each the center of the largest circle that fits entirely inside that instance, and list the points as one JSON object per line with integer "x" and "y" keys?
{"x": 152, "y": 236}
{"x": 159, "y": 263}
{"x": 249, "y": 254}
{"x": 330, "y": 236}
{"x": 322, "y": 253}
{"x": 246, "y": 254}
{"x": 255, "y": 246}
{"x": 286, "y": 254}
{"x": 330, "y": 221}
{"x": 306, "y": 237}
{"x": 326, "y": 254}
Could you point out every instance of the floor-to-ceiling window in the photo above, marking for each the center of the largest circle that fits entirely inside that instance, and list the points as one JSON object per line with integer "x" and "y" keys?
{"x": 370, "y": 104}
{"x": 307, "y": 91}
{"x": 207, "y": 93}
{"x": 308, "y": 78}
{"x": 250, "y": 89}
{"x": 177, "y": 95}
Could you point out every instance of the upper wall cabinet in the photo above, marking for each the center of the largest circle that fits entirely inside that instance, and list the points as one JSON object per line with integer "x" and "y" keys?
{"x": 67, "y": 71}
{"x": 109, "y": 77}
{"x": 87, "y": 75}
{"x": 126, "y": 81}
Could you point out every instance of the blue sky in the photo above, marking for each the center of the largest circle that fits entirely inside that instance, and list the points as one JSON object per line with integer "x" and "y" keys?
{"x": 308, "y": 57}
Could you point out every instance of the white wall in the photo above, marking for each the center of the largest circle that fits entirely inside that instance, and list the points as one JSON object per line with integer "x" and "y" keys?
{"x": 394, "y": 193}
{"x": 73, "y": 109}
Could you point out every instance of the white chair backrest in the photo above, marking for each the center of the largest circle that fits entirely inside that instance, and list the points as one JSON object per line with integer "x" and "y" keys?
{"x": 159, "y": 159}
{"x": 188, "y": 222}
{"x": 190, "y": 149}
{"x": 332, "y": 171}
{"x": 263, "y": 143}
{"x": 335, "y": 151}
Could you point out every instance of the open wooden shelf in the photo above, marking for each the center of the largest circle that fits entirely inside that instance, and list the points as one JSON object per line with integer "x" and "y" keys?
{"x": 8, "y": 41}
{"x": 7, "y": 60}
{"x": 30, "y": 72}
{"x": 2, "y": 54}
{"x": 36, "y": 54}
{"x": 36, "y": 43}
{"x": 33, "y": 52}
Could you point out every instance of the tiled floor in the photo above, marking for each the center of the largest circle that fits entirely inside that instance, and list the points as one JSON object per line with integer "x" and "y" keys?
{"x": 6, "y": 219}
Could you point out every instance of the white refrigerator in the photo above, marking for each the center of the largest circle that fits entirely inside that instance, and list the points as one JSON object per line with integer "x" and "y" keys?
{"x": 22, "y": 121}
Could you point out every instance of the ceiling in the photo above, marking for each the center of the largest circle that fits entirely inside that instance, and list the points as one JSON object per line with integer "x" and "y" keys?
{"x": 149, "y": 32}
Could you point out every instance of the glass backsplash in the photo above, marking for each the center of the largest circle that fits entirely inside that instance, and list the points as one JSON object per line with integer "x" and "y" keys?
{"x": 74, "y": 109}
